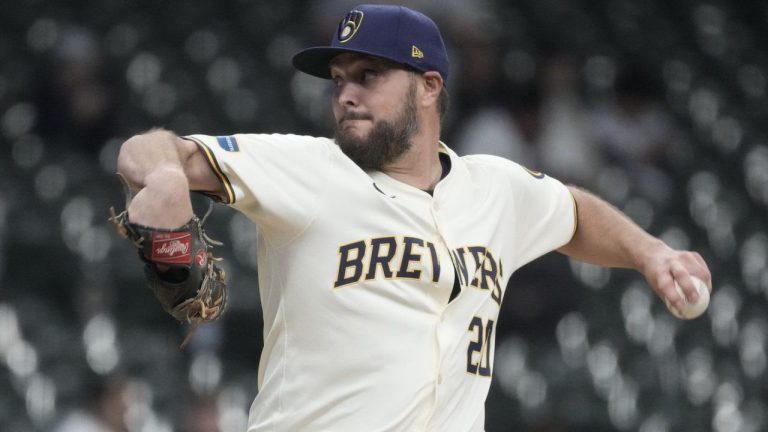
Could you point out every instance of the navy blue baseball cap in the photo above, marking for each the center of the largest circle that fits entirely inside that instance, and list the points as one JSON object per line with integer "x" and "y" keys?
{"x": 392, "y": 32}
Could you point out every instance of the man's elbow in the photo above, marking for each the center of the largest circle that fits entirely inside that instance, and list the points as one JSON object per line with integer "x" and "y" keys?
{"x": 126, "y": 160}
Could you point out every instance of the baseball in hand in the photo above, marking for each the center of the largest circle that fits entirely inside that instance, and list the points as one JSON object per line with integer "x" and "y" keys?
{"x": 691, "y": 310}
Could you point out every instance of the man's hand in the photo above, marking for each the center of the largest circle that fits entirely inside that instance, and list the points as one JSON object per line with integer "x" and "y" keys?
{"x": 662, "y": 266}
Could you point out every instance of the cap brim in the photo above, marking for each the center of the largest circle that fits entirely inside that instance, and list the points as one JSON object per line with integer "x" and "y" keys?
{"x": 316, "y": 61}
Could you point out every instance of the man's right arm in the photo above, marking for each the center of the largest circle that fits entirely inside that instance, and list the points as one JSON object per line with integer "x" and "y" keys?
{"x": 161, "y": 169}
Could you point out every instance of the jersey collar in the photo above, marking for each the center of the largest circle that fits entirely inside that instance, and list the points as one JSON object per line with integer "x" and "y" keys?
{"x": 394, "y": 186}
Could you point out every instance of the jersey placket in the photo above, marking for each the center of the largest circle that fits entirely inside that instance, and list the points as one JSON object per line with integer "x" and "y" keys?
{"x": 441, "y": 338}
{"x": 448, "y": 335}
{"x": 414, "y": 198}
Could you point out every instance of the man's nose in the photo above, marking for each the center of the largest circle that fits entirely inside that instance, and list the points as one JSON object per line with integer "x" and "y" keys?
{"x": 348, "y": 94}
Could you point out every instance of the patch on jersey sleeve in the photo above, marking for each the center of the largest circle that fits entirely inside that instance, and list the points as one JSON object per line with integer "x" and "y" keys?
{"x": 537, "y": 174}
{"x": 228, "y": 143}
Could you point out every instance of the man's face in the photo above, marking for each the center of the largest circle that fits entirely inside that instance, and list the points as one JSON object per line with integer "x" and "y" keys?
{"x": 374, "y": 104}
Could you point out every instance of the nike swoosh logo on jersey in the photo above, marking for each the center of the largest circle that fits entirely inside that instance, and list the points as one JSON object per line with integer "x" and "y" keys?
{"x": 381, "y": 191}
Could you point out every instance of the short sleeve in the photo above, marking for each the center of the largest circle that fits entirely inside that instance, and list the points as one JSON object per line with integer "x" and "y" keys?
{"x": 537, "y": 211}
{"x": 545, "y": 213}
{"x": 276, "y": 180}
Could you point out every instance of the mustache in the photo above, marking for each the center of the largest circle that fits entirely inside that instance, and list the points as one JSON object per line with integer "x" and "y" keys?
{"x": 351, "y": 115}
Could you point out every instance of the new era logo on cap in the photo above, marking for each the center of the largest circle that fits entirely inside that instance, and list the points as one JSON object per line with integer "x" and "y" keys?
{"x": 392, "y": 32}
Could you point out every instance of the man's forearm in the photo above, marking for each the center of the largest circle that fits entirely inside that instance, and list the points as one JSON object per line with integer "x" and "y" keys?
{"x": 607, "y": 237}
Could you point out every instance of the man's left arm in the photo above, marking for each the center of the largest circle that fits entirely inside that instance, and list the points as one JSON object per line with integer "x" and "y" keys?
{"x": 605, "y": 236}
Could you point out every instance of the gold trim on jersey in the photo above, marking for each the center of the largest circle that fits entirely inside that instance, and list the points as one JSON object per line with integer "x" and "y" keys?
{"x": 575, "y": 214}
{"x": 536, "y": 174}
{"x": 214, "y": 164}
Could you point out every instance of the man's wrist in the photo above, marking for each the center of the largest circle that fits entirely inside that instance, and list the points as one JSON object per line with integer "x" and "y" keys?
{"x": 647, "y": 252}
{"x": 164, "y": 202}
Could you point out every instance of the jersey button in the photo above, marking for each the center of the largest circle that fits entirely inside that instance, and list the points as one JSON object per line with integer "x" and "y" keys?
{"x": 439, "y": 378}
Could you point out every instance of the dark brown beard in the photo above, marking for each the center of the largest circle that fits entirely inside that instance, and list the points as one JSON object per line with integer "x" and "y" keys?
{"x": 386, "y": 142}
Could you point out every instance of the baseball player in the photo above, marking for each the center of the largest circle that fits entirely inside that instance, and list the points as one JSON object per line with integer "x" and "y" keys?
{"x": 383, "y": 256}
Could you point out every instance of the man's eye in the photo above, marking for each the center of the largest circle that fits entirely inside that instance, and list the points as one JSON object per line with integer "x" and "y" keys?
{"x": 369, "y": 74}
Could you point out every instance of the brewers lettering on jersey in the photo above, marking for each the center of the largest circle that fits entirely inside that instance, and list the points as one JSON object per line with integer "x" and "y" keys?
{"x": 383, "y": 255}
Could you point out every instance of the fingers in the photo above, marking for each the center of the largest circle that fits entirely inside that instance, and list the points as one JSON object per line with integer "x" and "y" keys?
{"x": 675, "y": 278}
{"x": 667, "y": 290}
{"x": 683, "y": 278}
{"x": 706, "y": 276}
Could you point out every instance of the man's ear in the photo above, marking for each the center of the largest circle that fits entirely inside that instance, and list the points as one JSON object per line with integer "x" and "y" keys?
{"x": 433, "y": 85}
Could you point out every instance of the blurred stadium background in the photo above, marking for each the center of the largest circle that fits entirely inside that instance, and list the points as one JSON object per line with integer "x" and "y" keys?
{"x": 658, "y": 106}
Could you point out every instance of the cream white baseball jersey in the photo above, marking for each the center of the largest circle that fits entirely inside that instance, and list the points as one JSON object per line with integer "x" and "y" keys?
{"x": 356, "y": 271}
